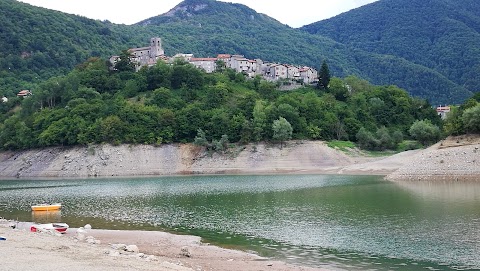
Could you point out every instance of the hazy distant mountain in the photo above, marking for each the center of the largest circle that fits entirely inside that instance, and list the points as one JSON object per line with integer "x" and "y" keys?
{"x": 37, "y": 43}
{"x": 443, "y": 35}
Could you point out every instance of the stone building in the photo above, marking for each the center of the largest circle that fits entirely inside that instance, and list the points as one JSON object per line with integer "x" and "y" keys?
{"x": 144, "y": 56}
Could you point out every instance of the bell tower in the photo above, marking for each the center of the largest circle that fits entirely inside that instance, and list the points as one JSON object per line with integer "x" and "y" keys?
{"x": 156, "y": 47}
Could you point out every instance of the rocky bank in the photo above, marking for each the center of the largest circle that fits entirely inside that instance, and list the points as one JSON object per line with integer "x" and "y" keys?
{"x": 451, "y": 159}
{"x": 175, "y": 159}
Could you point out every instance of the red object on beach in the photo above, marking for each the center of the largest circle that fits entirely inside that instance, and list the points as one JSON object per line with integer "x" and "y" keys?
{"x": 60, "y": 227}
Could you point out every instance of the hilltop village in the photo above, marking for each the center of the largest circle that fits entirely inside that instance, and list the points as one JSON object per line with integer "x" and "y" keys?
{"x": 148, "y": 56}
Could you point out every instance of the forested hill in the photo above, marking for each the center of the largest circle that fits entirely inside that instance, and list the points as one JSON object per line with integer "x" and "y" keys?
{"x": 443, "y": 35}
{"x": 211, "y": 26}
{"x": 37, "y": 43}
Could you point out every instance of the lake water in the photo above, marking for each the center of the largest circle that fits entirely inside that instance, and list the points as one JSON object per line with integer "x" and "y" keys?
{"x": 336, "y": 222}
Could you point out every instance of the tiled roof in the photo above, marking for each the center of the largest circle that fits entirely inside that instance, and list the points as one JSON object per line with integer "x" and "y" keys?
{"x": 223, "y": 56}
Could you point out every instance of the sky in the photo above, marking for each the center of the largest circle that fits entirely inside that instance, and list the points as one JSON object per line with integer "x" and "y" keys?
{"x": 293, "y": 13}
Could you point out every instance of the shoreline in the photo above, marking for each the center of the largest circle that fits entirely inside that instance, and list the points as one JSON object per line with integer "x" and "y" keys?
{"x": 453, "y": 158}
{"x": 97, "y": 249}
{"x": 158, "y": 250}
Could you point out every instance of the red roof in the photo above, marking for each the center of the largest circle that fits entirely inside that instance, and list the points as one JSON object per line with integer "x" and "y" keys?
{"x": 24, "y": 93}
{"x": 223, "y": 56}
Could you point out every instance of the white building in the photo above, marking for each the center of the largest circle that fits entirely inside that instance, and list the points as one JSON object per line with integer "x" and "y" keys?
{"x": 308, "y": 75}
{"x": 207, "y": 64}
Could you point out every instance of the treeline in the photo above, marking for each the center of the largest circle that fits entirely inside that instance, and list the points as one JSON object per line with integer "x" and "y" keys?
{"x": 170, "y": 103}
{"x": 464, "y": 119}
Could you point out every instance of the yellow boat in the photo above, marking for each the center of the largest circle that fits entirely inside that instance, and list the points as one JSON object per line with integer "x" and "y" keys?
{"x": 47, "y": 207}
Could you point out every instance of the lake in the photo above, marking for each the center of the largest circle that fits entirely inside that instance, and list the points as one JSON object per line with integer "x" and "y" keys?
{"x": 336, "y": 222}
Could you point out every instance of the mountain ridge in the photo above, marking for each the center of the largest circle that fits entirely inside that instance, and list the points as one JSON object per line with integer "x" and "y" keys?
{"x": 442, "y": 35}
{"x": 199, "y": 27}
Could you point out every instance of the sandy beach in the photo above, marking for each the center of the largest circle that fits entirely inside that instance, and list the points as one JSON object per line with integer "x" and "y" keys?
{"x": 95, "y": 249}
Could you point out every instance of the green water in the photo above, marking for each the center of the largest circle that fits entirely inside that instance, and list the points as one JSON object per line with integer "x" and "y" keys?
{"x": 336, "y": 222}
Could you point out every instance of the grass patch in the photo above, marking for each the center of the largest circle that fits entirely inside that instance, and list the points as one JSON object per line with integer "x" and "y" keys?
{"x": 344, "y": 146}
{"x": 407, "y": 145}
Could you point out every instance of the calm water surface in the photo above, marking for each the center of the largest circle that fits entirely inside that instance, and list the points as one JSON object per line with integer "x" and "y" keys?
{"x": 337, "y": 222}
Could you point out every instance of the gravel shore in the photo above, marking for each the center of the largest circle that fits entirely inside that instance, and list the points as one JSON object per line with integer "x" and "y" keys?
{"x": 80, "y": 250}
{"x": 452, "y": 159}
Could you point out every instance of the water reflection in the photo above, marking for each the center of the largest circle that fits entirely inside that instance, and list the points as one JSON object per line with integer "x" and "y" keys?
{"x": 47, "y": 216}
{"x": 341, "y": 222}
{"x": 444, "y": 191}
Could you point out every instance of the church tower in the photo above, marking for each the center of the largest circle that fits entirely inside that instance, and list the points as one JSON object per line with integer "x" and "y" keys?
{"x": 156, "y": 47}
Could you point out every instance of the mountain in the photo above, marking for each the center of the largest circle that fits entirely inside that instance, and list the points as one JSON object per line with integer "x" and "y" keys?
{"x": 442, "y": 35}
{"x": 37, "y": 43}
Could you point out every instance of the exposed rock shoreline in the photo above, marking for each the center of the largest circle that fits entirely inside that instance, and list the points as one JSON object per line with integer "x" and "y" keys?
{"x": 452, "y": 159}
{"x": 176, "y": 159}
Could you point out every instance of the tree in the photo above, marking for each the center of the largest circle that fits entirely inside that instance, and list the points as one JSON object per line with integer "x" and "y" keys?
{"x": 323, "y": 76}
{"x": 366, "y": 140}
{"x": 424, "y": 131}
{"x": 201, "y": 138}
{"x": 471, "y": 119}
{"x": 124, "y": 63}
{"x": 282, "y": 130}
{"x": 259, "y": 120}
{"x": 338, "y": 89}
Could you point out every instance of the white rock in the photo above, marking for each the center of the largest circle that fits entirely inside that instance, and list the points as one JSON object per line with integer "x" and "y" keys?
{"x": 80, "y": 236}
{"x": 132, "y": 248}
{"x": 81, "y": 230}
{"x": 91, "y": 240}
{"x": 118, "y": 246}
{"x": 151, "y": 258}
{"x": 88, "y": 227}
{"x": 114, "y": 253}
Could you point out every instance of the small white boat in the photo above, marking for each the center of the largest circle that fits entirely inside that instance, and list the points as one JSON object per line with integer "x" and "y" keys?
{"x": 60, "y": 227}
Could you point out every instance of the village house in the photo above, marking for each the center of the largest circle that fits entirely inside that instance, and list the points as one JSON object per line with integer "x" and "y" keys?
{"x": 24, "y": 93}
{"x": 308, "y": 75}
{"x": 443, "y": 111}
{"x": 225, "y": 58}
{"x": 144, "y": 56}
{"x": 148, "y": 56}
{"x": 185, "y": 57}
{"x": 276, "y": 71}
{"x": 293, "y": 72}
{"x": 209, "y": 65}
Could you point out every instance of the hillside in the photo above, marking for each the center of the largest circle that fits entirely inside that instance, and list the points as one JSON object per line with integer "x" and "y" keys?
{"x": 442, "y": 35}
{"x": 259, "y": 36}
{"x": 38, "y": 43}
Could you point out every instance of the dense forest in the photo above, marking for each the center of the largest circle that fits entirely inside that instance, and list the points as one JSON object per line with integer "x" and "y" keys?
{"x": 37, "y": 44}
{"x": 179, "y": 103}
{"x": 442, "y": 35}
